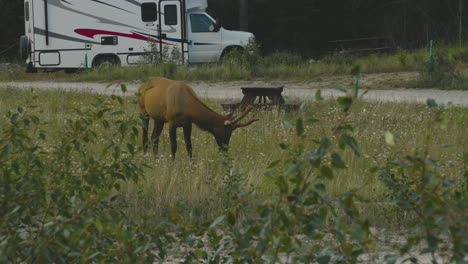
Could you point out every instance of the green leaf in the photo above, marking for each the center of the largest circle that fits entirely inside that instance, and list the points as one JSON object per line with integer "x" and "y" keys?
{"x": 324, "y": 259}
{"x": 123, "y": 87}
{"x": 94, "y": 255}
{"x": 345, "y": 102}
{"x": 131, "y": 148}
{"x": 337, "y": 162}
{"x": 199, "y": 254}
{"x": 283, "y": 145}
{"x": 288, "y": 125}
{"x": 320, "y": 187}
{"x": 120, "y": 100}
{"x": 66, "y": 233}
{"x": 105, "y": 123}
{"x": 293, "y": 169}
{"x": 282, "y": 184}
{"x": 216, "y": 222}
{"x": 300, "y": 127}
{"x": 431, "y": 103}
{"x": 389, "y": 139}
{"x": 326, "y": 172}
{"x": 265, "y": 212}
{"x": 391, "y": 259}
{"x": 352, "y": 143}
{"x": 318, "y": 95}
{"x": 14, "y": 118}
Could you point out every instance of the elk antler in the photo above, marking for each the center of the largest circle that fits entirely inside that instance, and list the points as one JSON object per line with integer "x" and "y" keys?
{"x": 238, "y": 118}
{"x": 246, "y": 123}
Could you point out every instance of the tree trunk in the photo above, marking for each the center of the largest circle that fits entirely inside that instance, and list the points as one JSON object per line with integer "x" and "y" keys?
{"x": 460, "y": 22}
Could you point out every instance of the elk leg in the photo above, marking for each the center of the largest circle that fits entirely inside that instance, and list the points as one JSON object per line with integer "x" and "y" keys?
{"x": 173, "y": 138}
{"x": 188, "y": 138}
{"x": 145, "y": 124}
{"x": 158, "y": 127}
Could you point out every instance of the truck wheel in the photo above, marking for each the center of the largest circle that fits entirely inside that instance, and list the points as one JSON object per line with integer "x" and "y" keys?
{"x": 30, "y": 68}
{"x": 232, "y": 52}
{"x": 24, "y": 47}
{"x": 105, "y": 62}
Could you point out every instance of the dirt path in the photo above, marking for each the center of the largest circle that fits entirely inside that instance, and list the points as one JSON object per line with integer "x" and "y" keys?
{"x": 293, "y": 91}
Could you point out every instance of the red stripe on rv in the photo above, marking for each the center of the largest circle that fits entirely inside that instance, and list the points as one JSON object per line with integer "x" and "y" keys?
{"x": 90, "y": 33}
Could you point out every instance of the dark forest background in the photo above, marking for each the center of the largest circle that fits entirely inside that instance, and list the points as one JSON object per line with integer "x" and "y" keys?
{"x": 309, "y": 27}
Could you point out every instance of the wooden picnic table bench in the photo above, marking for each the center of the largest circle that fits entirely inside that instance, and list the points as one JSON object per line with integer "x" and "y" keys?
{"x": 261, "y": 98}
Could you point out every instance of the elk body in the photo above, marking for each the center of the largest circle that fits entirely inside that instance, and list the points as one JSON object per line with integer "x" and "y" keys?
{"x": 175, "y": 103}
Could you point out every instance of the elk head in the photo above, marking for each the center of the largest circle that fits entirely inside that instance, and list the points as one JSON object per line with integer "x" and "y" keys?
{"x": 231, "y": 123}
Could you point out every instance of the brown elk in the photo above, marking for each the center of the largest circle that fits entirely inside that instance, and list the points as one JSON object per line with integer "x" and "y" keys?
{"x": 175, "y": 103}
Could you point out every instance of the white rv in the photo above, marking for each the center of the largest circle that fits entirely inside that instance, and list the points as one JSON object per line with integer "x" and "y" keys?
{"x": 70, "y": 34}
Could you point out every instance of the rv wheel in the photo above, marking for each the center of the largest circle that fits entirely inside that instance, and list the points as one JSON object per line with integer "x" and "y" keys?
{"x": 105, "y": 62}
{"x": 24, "y": 47}
{"x": 30, "y": 68}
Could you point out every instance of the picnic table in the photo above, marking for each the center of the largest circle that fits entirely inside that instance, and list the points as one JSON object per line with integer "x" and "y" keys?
{"x": 261, "y": 98}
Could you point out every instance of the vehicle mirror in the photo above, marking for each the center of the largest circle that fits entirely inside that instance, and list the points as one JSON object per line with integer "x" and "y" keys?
{"x": 211, "y": 28}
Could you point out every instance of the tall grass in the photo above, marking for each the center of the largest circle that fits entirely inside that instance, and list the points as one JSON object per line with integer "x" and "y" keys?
{"x": 200, "y": 189}
{"x": 276, "y": 66}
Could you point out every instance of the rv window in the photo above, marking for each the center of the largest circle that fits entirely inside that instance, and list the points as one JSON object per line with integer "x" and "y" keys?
{"x": 201, "y": 23}
{"x": 149, "y": 12}
{"x": 170, "y": 15}
{"x": 26, "y": 11}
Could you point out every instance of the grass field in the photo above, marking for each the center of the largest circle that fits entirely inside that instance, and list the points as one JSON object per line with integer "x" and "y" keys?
{"x": 337, "y": 181}
{"x": 199, "y": 189}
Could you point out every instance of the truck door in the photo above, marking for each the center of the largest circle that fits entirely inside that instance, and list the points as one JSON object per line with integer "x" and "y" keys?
{"x": 204, "y": 39}
{"x": 172, "y": 31}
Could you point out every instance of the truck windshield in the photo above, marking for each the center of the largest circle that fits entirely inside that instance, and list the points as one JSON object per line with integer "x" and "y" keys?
{"x": 201, "y": 23}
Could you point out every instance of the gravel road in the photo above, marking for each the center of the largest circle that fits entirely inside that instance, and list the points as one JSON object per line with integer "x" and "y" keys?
{"x": 230, "y": 91}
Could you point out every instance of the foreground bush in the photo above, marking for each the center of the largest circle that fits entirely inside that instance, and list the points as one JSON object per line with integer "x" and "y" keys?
{"x": 303, "y": 223}
{"x": 57, "y": 201}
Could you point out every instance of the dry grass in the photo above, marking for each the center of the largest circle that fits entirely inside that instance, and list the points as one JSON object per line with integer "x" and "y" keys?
{"x": 200, "y": 188}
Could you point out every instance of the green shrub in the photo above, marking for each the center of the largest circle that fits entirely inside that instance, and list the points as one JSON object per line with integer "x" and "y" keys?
{"x": 59, "y": 202}
{"x": 438, "y": 203}
{"x": 303, "y": 223}
{"x": 444, "y": 74}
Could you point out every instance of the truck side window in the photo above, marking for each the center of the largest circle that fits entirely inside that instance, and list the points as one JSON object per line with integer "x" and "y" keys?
{"x": 170, "y": 15}
{"x": 149, "y": 12}
{"x": 26, "y": 11}
{"x": 201, "y": 23}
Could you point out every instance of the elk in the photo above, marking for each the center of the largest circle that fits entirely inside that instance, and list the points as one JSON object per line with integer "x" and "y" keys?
{"x": 175, "y": 103}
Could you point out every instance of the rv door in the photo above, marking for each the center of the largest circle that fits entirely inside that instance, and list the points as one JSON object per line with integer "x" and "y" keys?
{"x": 171, "y": 31}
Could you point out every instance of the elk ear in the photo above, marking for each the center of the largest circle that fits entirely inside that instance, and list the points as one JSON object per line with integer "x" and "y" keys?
{"x": 227, "y": 122}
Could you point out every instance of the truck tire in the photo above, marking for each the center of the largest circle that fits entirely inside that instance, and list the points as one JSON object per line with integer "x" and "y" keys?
{"x": 106, "y": 61}
{"x": 230, "y": 50}
{"x": 30, "y": 68}
{"x": 24, "y": 48}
